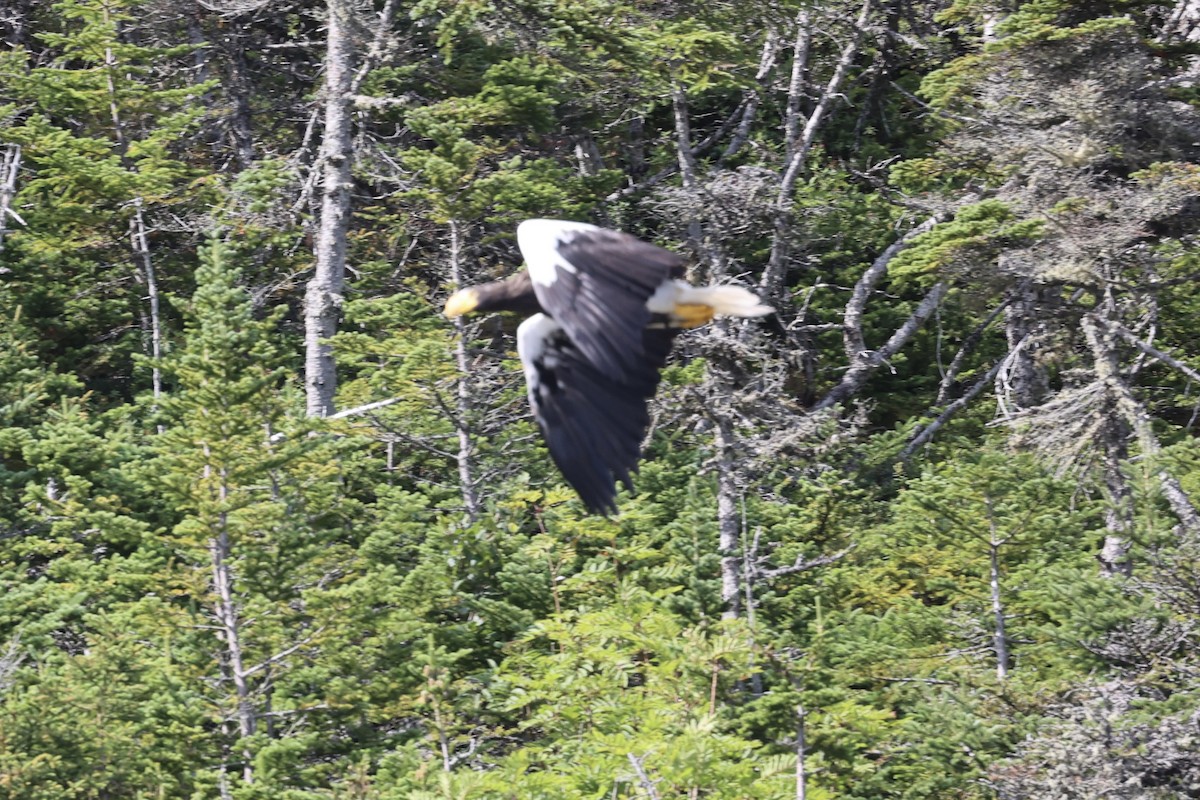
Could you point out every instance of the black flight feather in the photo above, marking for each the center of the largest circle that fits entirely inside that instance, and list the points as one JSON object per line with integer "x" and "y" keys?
{"x": 602, "y": 305}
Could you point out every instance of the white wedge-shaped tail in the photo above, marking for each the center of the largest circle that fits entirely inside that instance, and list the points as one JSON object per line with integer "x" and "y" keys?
{"x": 727, "y": 301}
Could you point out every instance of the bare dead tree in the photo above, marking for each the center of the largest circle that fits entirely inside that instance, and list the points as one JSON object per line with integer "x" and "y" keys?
{"x": 1150, "y": 350}
{"x": 344, "y": 74}
{"x": 646, "y": 783}
{"x": 141, "y": 248}
{"x": 465, "y": 455}
{"x": 323, "y": 295}
{"x": 721, "y": 381}
{"x": 797, "y": 147}
{"x": 864, "y": 362}
{"x": 228, "y": 617}
{"x": 801, "y": 750}
{"x": 138, "y": 238}
{"x": 10, "y": 167}
{"x": 1118, "y": 516}
{"x": 965, "y": 349}
{"x": 999, "y": 630}
{"x": 729, "y": 526}
{"x": 926, "y": 434}
{"x": 753, "y": 97}
{"x": 1100, "y": 340}
{"x": 687, "y": 164}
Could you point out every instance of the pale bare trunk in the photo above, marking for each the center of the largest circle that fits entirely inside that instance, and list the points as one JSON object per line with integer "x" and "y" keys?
{"x": 801, "y": 753}
{"x": 867, "y": 361}
{"x": 728, "y": 524}
{"x": 1101, "y": 340}
{"x": 797, "y": 152}
{"x": 141, "y": 247}
{"x": 720, "y": 371}
{"x": 137, "y": 225}
{"x": 861, "y": 361}
{"x": 796, "y": 84}
{"x": 228, "y": 620}
{"x": 10, "y": 167}
{"x": 465, "y": 456}
{"x": 965, "y": 349}
{"x": 323, "y": 295}
{"x": 687, "y": 166}
{"x": 772, "y": 278}
{"x": 999, "y": 632}
{"x": 999, "y": 636}
{"x": 644, "y": 779}
{"x": 1154, "y": 352}
{"x": 766, "y": 65}
{"x": 929, "y": 431}
{"x": 1118, "y": 517}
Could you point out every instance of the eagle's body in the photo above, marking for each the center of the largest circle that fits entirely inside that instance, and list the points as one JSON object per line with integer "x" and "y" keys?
{"x": 605, "y": 308}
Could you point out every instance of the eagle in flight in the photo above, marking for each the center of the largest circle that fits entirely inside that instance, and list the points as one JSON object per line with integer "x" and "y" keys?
{"x": 605, "y": 308}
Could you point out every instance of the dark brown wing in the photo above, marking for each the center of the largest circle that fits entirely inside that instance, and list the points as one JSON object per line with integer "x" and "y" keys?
{"x": 593, "y": 425}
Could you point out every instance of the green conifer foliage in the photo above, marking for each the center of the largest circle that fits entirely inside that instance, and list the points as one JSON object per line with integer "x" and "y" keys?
{"x": 256, "y": 548}
{"x": 104, "y": 135}
{"x": 890, "y": 591}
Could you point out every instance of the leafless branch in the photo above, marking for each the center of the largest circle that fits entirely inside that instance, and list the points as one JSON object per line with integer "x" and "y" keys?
{"x": 852, "y": 318}
{"x": 1152, "y": 351}
{"x": 927, "y": 433}
{"x": 9, "y": 169}
{"x": 693, "y": 152}
{"x": 643, "y": 778}
{"x": 749, "y": 107}
{"x": 966, "y": 348}
{"x": 376, "y": 52}
{"x": 1108, "y": 371}
{"x": 867, "y": 361}
{"x": 803, "y": 564}
{"x": 281, "y": 655}
{"x": 363, "y": 409}
{"x": 798, "y": 148}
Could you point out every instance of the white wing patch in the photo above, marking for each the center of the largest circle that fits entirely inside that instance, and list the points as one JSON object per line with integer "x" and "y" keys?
{"x": 540, "y": 239}
{"x": 532, "y": 335}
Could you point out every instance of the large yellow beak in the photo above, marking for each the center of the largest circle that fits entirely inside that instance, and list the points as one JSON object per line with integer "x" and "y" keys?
{"x": 461, "y": 302}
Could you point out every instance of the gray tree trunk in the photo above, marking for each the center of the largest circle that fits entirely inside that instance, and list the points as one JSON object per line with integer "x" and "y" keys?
{"x": 729, "y": 525}
{"x": 1102, "y": 341}
{"x": 10, "y": 167}
{"x": 1118, "y": 517}
{"x": 466, "y": 449}
{"x": 225, "y": 609}
{"x": 1028, "y": 382}
{"x": 687, "y": 167}
{"x": 141, "y": 248}
{"x": 799, "y": 147}
{"x": 999, "y": 630}
{"x": 137, "y": 225}
{"x": 323, "y": 295}
{"x": 801, "y": 753}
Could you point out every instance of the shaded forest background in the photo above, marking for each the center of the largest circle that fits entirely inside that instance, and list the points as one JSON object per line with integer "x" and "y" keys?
{"x": 271, "y": 527}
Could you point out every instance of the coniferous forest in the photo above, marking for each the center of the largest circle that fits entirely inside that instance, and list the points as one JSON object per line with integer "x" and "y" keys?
{"x": 271, "y": 526}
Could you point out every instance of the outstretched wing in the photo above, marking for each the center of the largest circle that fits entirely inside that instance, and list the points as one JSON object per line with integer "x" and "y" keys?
{"x": 595, "y": 283}
{"x": 593, "y": 425}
